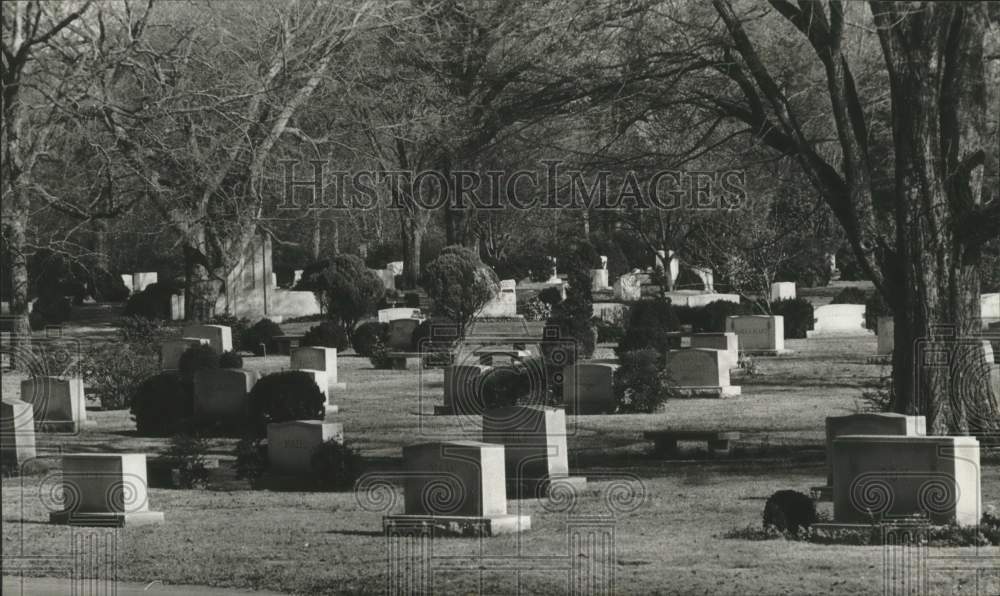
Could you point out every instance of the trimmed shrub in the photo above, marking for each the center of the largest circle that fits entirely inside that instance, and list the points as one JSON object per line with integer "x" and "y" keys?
{"x": 459, "y": 284}
{"x": 336, "y": 466}
{"x": 230, "y": 360}
{"x": 162, "y": 404}
{"x": 411, "y": 300}
{"x": 798, "y": 314}
{"x": 641, "y": 384}
{"x": 365, "y": 336}
{"x": 789, "y": 511}
{"x": 327, "y": 335}
{"x": 114, "y": 372}
{"x": 571, "y": 318}
{"x": 519, "y": 383}
{"x": 153, "y": 302}
{"x": 850, "y": 295}
{"x": 251, "y": 460}
{"x": 238, "y": 326}
{"x": 379, "y": 355}
{"x": 346, "y": 288}
{"x": 285, "y": 396}
{"x": 194, "y": 359}
{"x": 551, "y": 296}
{"x": 53, "y": 310}
{"x": 140, "y": 330}
{"x": 648, "y": 323}
{"x": 536, "y": 309}
{"x": 259, "y": 338}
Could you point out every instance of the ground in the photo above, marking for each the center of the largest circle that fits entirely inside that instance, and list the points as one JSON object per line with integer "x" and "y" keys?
{"x": 668, "y": 535}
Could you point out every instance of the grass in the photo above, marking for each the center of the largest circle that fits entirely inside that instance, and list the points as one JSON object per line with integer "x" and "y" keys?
{"x": 674, "y": 541}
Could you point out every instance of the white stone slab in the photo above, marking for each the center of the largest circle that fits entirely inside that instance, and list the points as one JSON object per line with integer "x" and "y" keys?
{"x": 782, "y": 290}
{"x": 387, "y": 315}
{"x": 455, "y": 478}
{"x": 758, "y": 333}
{"x": 317, "y": 358}
{"x": 57, "y": 404}
{"x": 105, "y": 488}
{"x": 839, "y": 320}
{"x": 220, "y": 337}
{"x": 17, "y": 433}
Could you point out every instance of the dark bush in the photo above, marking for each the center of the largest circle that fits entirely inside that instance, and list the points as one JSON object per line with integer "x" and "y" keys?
{"x": 617, "y": 263}
{"x": 162, "y": 404}
{"x": 285, "y": 396}
{"x": 807, "y": 270}
{"x": 365, "y": 336}
{"x": 238, "y": 327}
{"x": 798, "y": 314}
{"x": 436, "y": 334}
{"x": 36, "y": 321}
{"x": 641, "y": 384}
{"x": 849, "y": 266}
{"x": 571, "y": 339}
{"x": 54, "y": 310}
{"x": 196, "y": 358}
{"x": 648, "y": 323}
{"x": 153, "y": 302}
{"x": 789, "y": 511}
{"x": 327, "y": 334}
{"x": 380, "y": 255}
{"x": 850, "y": 295}
{"x": 379, "y": 355}
{"x": 108, "y": 287}
{"x": 875, "y": 307}
{"x": 251, "y": 460}
{"x": 140, "y": 330}
{"x": 346, "y": 288}
{"x": 519, "y": 383}
{"x": 459, "y": 284}
{"x": 186, "y": 454}
{"x": 230, "y": 360}
{"x": 538, "y": 265}
{"x": 259, "y": 338}
{"x": 551, "y": 295}
{"x": 336, "y": 466}
{"x": 411, "y": 300}
{"x": 113, "y": 372}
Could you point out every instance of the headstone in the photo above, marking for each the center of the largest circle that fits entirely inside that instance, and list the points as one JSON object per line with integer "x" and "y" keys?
{"x": 317, "y": 358}
{"x": 758, "y": 334}
{"x": 611, "y": 312}
{"x": 176, "y": 307}
{"x": 141, "y": 280}
{"x": 553, "y": 272}
{"x": 297, "y": 277}
{"x": 831, "y": 263}
{"x": 888, "y": 424}
{"x": 707, "y": 279}
{"x": 660, "y": 262}
{"x": 886, "y": 338}
{"x": 589, "y": 388}
{"x": 128, "y": 281}
{"x": 321, "y": 379}
{"x": 104, "y": 489}
{"x": 504, "y": 304}
{"x": 463, "y": 389}
{"x": 220, "y": 337}
{"x": 782, "y": 290}
{"x": 839, "y": 320}
{"x": 57, "y": 404}
{"x": 701, "y": 372}
{"x": 726, "y": 342}
{"x": 598, "y": 279}
{"x": 291, "y": 445}
{"x": 387, "y": 278}
{"x": 604, "y": 262}
{"x": 388, "y": 315}
{"x": 171, "y": 350}
{"x": 274, "y": 280}
{"x": 989, "y": 308}
{"x": 221, "y": 393}
{"x": 701, "y": 299}
{"x": 628, "y": 288}
{"x": 394, "y": 268}
{"x": 400, "y": 335}
{"x": 17, "y": 433}
{"x": 880, "y": 478}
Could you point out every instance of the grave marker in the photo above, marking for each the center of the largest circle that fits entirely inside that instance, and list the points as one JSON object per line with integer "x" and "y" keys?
{"x": 628, "y": 288}
{"x": 782, "y": 290}
{"x": 172, "y": 349}
{"x": 17, "y": 433}
{"x": 726, "y": 342}
{"x": 291, "y": 445}
{"x": 105, "y": 489}
{"x": 400, "y": 334}
{"x": 758, "y": 334}
{"x": 463, "y": 389}
{"x": 58, "y": 405}
{"x": 220, "y": 337}
{"x": 839, "y": 320}
{"x": 504, "y": 304}
{"x": 886, "y": 329}
{"x": 221, "y": 393}
{"x": 589, "y": 388}
{"x": 318, "y": 358}
{"x": 701, "y": 372}
{"x": 387, "y": 315}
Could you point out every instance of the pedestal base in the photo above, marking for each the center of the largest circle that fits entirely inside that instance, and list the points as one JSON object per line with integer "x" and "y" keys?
{"x": 456, "y": 525}
{"x": 108, "y": 520}
{"x": 708, "y": 391}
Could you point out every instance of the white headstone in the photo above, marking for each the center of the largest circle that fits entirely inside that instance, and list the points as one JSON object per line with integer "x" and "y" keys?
{"x": 455, "y": 478}
{"x": 782, "y": 290}
{"x": 604, "y": 262}
{"x": 534, "y": 438}
{"x": 321, "y": 379}
{"x": 839, "y": 320}
{"x": 141, "y": 280}
{"x": 628, "y": 288}
{"x": 221, "y": 393}
{"x": 220, "y": 337}
{"x": 886, "y": 338}
{"x": 387, "y": 315}
{"x": 291, "y": 445}
{"x": 172, "y": 349}
{"x": 128, "y": 281}
{"x": 57, "y": 404}
{"x": 707, "y": 279}
{"x": 989, "y": 308}
{"x": 395, "y": 267}
{"x": 274, "y": 280}
{"x": 17, "y": 433}
{"x": 105, "y": 489}
{"x": 297, "y": 277}
{"x": 758, "y": 333}
{"x": 553, "y": 272}
{"x": 317, "y": 358}
{"x": 589, "y": 388}
{"x": 177, "y": 307}
{"x": 598, "y": 279}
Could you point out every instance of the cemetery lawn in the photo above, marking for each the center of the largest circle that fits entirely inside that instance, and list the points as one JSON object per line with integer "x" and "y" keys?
{"x": 672, "y": 542}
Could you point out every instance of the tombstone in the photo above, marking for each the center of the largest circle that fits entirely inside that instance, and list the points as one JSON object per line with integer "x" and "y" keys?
{"x": 725, "y": 342}
{"x": 127, "y": 280}
{"x": 388, "y": 315}
{"x": 553, "y": 272}
{"x": 177, "y": 307}
{"x": 57, "y": 404}
{"x": 758, "y": 334}
{"x": 831, "y": 264}
{"x": 604, "y": 262}
{"x": 707, "y": 279}
{"x": 220, "y": 337}
{"x": 883, "y": 478}
{"x": 221, "y": 393}
{"x": 989, "y": 305}
{"x": 141, "y": 280}
{"x": 387, "y": 278}
{"x": 400, "y": 335}
{"x": 105, "y": 489}
{"x": 274, "y": 280}
{"x": 504, "y": 304}
{"x": 701, "y": 372}
{"x": 297, "y": 277}
{"x": 598, "y": 280}
{"x": 887, "y": 424}
{"x": 17, "y": 433}
{"x": 317, "y": 358}
{"x": 171, "y": 350}
{"x": 463, "y": 386}
{"x": 534, "y": 440}
{"x": 321, "y": 379}
{"x": 628, "y": 288}
{"x": 589, "y": 388}
{"x": 291, "y": 445}
{"x": 695, "y": 300}
{"x": 782, "y": 290}
{"x": 611, "y": 312}
{"x": 843, "y": 320}
{"x": 394, "y": 268}
{"x": 457, "y": 487}
{"x": 886, "y": 337}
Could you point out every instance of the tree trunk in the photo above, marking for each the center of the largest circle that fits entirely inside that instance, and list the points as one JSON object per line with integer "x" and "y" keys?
{"x": 317, "y": 238}
{"x": 413, "y": 235}
{"x": 202, "y": 288}
{"x": 14, "y": 226}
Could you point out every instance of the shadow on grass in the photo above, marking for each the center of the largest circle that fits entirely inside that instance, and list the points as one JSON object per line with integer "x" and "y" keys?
{"x": 366, "y": 533}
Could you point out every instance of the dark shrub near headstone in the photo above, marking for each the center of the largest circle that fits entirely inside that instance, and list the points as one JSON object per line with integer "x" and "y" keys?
{"x": 711, "y": 318}
{"x": 153, "y": 302}
{"x": 550, "y": 295}
{"x": 336, "y": 466}
{"x": 284, "y": 396}
{"x": 53, "y": 310}
{"x": 789, "y": 511}
{"x": 260, "y": 337}
{"x": 519, "y": 383}
{"x": 230, "y": 360}
{"x": 365, "y": 336}
{"x": 379, "y": 355}
{"x": 162, "y": 404}
{"x": 648, "y": 323}
{"x": 850, "y": 295}
{"x": 194, "y": 359}
{"x": 798, "y": 315}
{"x": 641, "y": 384}
{"x": 327, "y": 334}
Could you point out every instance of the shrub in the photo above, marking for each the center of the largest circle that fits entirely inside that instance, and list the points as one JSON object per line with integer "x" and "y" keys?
{"x": 789, "y": 511}
{"x": 230, "y": 360}
{"x": 238, "y": 326}
{"x": 115, "y": 371}
{"x": 877, "y": 394}
{"x": 538, "y": 265}
{"x": 850, "y": 295}
{"x": 194, "y": 359}
{"x": 336, "y": 466}
{"x": 459, "y": 284}
{"x": 36, "y": 321}
{"x": 551, "y": 295}
{"x": 161, "y": 405}
{"x": 849, "y": 266}
{"x": 807, "y": 269}
{"x": 251, "y": 460}
{"x": 285, "y": 396}
{"x": 608, "y": 331}
{"x": 365, "y": 336}
{"x": 411, "y": 300}
{"x": 564, "y": 329}
{"x": 186, "y": 453}
{"x": 152, "y": 303}
{"x": 259, "y": 338}
{"x": 328, "y": 335}
{"x": 571, "y": 317}
{"x": 875, "y": 307}
{"x": 435, "y": 335}
{"x": 617, "y": 263}
{"x": 798, "y": 314}
{"x": 140, "y": 330}
{"x": 108, "y": 287}
{"x": 379, "y": 355}
{"x": 641, "y": 384}
{"x": 536, "y": 309}
{"x": 347, "y": 289}
{"x": 53, "y": 310}
{"x": 648, "y": 323}
{"x": 519, "y": 383}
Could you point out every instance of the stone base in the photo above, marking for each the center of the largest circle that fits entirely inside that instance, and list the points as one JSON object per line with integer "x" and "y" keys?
{"x": 63, "y": 426}
{"x": 822, "y": 494}
{"x": 766, "y": 353}
{"x": 836, "y": 335}
{"x": 456, "y": 525}
{"x": 108, "y": 520}
{"x": 716, "y": 392}
{"x": 540, "y": 488}
{"x": 879, "y": 359}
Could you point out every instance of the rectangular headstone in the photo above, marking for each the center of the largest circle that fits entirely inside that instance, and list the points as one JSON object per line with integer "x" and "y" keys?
{"x": 105, "y": 487}
{"x": 882, "y": 478}
{"x": 839, "y": 320}
{"x": 291, "y": 445}
{"x": 140, "y": 281}
{"x": 463, "y": 389}
{"x": 387, "y": 315}
{"x": 701, "y": 372}
{"x": 534, "y": 438}
{"x": 221, "y": 393}
{"x": 989, "y": 305}
{"x": 316, "y": 358}
{"x": 17, "y": 432}
{"x": 321, "y": 379}
{"x": 177, "y": 307}
{"x": 782, "y": 290}
{"x": 468, "y": 477}
{"x": 727, "y": 342}
{"x": 171, "y": 350}
{"x": 758, "y": 333}
{"x": 889, "y": 424}
{"x": 589, "y": 388}
{"x": 400, "y": 334}
{"x": 57, "y": 404}
{"x": 886, "y": 339}
{"x": 220, "y": 337}
{"x": 628, "y": 288}
{"x": 599, "y": 280}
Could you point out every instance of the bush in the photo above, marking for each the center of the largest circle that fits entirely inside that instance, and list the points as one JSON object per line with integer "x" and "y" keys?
{"x": 617, "y": 263}
{"x": 849, "y": 266}
{"x": 162, "y": 404}
{"x": 53, "y": 310}
{"x": 459, "y": 284}
{"x": 230, "y": 360}
{"x": 114, "y": 372}
{"x": 336, "y": 466}
{"x": 519, "y": 383}
{"x": 194, "y": 359}
{"x": 798, "y": 314}
{"x": 259, "y": 338}
{"x": 551, "y": 295}
{"x": 379, "y": 355}
{"x": 251, "y": 459}
{"x": 36, "y": 321}
{"x": 327, "y": 335}
{"x": 789, "y": 511}
{"x": 140, "y": 330}
{"x": 564, "y": 328}
{"x": 648, "y": 323}
{"x": 641, "y": 384}
{"x": 875, "y": 307}
{"x": 850, "y": 295}
{"x": 347, "y": 289}
{"x": 238, "y": 327}
{"x": 411, "y": 300}
{"x": 285, "y": 396}
{"x": 536, "y": 309}
{"x": 153, "y": 302}
{"x": 365, "y": 336}
{"x": 187, "y": 453}
{"x": 437, "y": 335}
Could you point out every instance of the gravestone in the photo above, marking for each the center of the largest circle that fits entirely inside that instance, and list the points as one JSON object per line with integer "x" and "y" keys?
{"x": 17, "y": 433}
{"x": 726, "y": 342}
{"x": 400, "y": 335}
{"x": 589, "y": 388}
{"x": 140, "y": 281}
{"x": 598, "y": 280}
{"x": 701, "y": 372}
{"x": 888, "y": 424}
{"x": 782, "y": 290}
{"x": 628, "y": 288}
{"x": 172, "y": 349}
{"x": 221, "y": 393}
{"x": 839, "y": 320}
{"x": 604, "y": 262}
{"x": 611, "y": 312}
{"x": 758, "y": 334}
{"x": 884, "y": 478}
{"x": 989, "y": 305}
{"x": 320, "y": 378}
{"x": 387, "y": 315}
{"x": 57, "y": 404}
{"x": 463, "y": 389}
{"x": 457, "y": 487}
{"x": 504, "y": 304}
{"x": 394, "y": 268}
{"x": 127, "y": 279}
{"x": 386, "y": 277}
{"x": 553, "y": 272}
{"x": 291, "y": 445}
{"x": 220, "y": 337}
{"x": 318, "y": 358}
{"x": 534, "y": 440}
{"x": 886, "y": 329}
{"x": 176, "y": 307}
{"x": 105, "y": 489}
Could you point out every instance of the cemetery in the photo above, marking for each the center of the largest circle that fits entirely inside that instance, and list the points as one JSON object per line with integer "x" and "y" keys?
{"x": 774, "y": 371}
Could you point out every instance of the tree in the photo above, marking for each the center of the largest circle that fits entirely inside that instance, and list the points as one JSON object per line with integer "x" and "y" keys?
{"x": 460, "y": 285}
{"x": 348, "y": 290}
